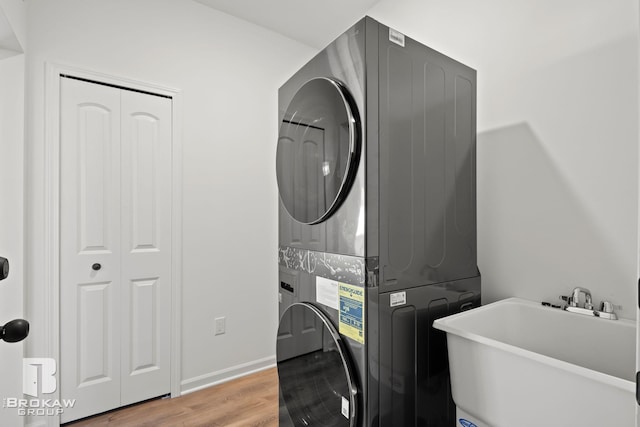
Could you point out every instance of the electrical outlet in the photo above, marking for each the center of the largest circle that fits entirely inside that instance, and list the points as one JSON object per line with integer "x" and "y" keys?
{"x": 220, "y": 325}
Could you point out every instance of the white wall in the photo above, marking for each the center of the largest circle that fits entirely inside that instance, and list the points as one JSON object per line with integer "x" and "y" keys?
{"x": 11, "y": 225}
{"x": 229, "y": 72}
{"x": 558, "y": 138}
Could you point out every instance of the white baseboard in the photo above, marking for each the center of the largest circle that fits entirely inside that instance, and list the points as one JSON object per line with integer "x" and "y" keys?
{"x": 207, "y": 380}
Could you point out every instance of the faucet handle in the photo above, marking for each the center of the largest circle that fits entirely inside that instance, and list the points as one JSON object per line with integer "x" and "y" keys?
{"x": 567, "y": 299}
{"x": 606, "y": 307}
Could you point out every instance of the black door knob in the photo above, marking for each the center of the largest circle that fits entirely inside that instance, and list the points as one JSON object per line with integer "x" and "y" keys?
{"x": 14, "y": 331}
{"x": 4, "y": 268}
{"x": 96, "y": 266}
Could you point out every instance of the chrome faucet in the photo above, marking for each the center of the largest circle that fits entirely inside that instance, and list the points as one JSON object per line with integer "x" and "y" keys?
{"x": 573, "y": 305}
{"x": 575, "y": 298}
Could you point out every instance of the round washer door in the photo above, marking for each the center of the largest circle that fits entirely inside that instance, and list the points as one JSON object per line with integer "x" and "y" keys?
{"x": 316, "y": 384}
{"x": 318, "y": 149}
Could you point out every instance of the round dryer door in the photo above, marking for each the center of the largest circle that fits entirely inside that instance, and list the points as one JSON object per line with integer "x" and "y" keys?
{"x": 316, "y": 383}
{"x": 318, "y": 148}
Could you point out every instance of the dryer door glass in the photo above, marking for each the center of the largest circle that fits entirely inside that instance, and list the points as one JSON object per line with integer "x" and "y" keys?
{"x": 315, "y": 380}
{"x": 318, "y": 147}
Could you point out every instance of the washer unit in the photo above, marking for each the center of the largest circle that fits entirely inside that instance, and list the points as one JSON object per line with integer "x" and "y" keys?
{"x": 377, "y": 230}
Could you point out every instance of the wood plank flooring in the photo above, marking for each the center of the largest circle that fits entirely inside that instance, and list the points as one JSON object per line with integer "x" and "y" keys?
{"x": 250, "y": 401}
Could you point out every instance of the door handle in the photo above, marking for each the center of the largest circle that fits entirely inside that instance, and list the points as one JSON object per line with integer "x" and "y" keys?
{"x": 14, "y": 331}
{"x": 4, "y": 268}
{"x": 96, "y": 266}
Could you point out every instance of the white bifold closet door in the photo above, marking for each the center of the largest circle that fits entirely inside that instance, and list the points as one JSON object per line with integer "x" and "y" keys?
{"x": 115, "y": 251}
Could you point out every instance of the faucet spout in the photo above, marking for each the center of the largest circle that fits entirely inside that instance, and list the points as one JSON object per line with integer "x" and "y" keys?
{"x": 575, "y": 298}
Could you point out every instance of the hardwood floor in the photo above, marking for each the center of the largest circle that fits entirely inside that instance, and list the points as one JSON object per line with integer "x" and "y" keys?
{"x": 250, "y": 401}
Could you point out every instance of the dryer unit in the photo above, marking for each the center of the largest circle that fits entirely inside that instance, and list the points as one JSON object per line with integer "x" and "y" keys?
{"x": 377, "y": 230}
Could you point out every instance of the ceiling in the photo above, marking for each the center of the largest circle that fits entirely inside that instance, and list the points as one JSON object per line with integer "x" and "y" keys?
{"x": 314, "y": 23}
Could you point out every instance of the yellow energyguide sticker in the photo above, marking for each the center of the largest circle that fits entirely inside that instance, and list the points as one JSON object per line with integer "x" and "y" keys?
{"x": 352, "y": 311}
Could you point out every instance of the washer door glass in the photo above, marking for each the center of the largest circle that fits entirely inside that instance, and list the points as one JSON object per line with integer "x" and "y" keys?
{"x": 318, "y": 148}
{"x": 316, "y": 385}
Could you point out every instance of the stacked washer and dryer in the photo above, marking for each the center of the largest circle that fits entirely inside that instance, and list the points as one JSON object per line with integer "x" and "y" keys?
{"x": 377, "y": 230}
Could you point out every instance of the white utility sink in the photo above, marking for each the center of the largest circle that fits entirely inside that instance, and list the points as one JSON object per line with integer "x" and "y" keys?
{"x": 518, "y": 363}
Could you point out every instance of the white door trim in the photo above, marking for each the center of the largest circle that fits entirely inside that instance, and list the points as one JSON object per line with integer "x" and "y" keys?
{"x": 52, "y": 209}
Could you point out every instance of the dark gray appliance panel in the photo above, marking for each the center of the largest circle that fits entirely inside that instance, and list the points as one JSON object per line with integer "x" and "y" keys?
{"x": 414, "y": 369}
{"x": 427, "y": 166}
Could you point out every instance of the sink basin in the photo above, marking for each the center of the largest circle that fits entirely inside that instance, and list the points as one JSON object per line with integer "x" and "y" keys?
{"x": 518, "y": 363}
